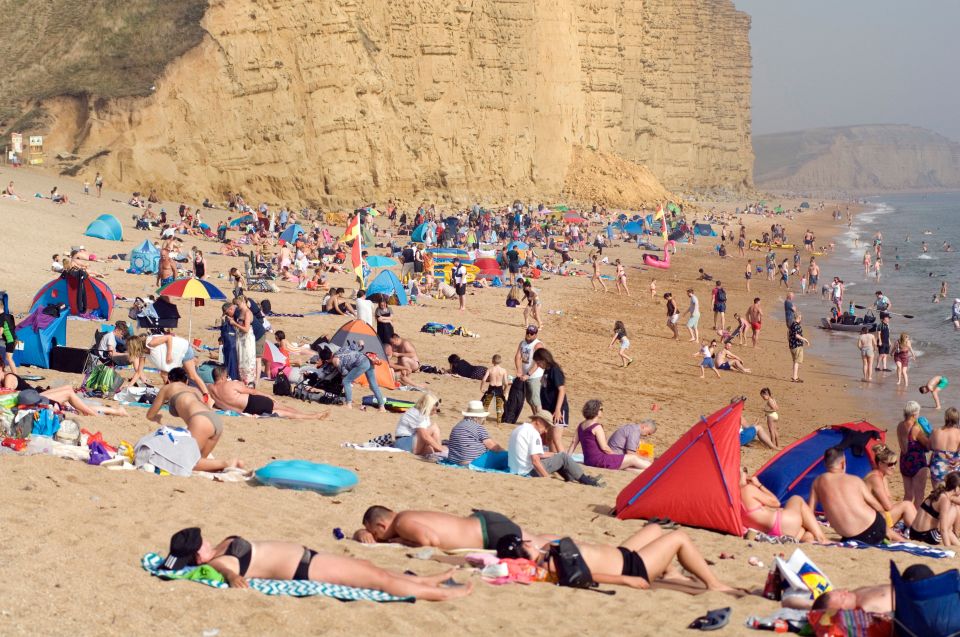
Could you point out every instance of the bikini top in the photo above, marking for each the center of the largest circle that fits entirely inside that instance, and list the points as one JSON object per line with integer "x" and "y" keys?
{"x": 927, "y": 506}
{"x": 240, "y": 549}
{"x": 173, "y": 402}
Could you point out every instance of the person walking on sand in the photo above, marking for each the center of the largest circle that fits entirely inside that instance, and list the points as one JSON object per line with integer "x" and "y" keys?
{"x": 902, "y": 351}
{"x": 796, "y": 341}
{"x": 595, "y": 259}
{"x": 694, "y": 312}
{"x": 98, "y": 182}
{"x": 748, "y": 273}
{"x": 620, "y": 334}
{"x": 755, "y": 319}
{"x": 532, "y": 310}
{"x": 621, "y": 278}
{"x": 772, "y": 412}
{"x": 865, "y": 343}
{"x": 673, "y": 315}
{"x": 460, "y": 282}
{"x": 719, "y": 306}
{"x": 653, "y": 288}
{"x": 933, "y": 387}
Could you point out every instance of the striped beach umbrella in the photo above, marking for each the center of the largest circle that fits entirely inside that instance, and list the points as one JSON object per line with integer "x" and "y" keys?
{"x": 192, "y": 288}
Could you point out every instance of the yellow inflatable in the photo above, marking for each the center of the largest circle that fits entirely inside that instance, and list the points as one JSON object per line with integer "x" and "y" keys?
{"x": 444, "y": 272}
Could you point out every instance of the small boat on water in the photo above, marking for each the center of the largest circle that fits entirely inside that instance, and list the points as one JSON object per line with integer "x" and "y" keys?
{"x": 847, "y": 323}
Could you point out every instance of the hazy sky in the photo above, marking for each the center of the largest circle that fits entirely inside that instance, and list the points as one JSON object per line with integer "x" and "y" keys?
{"x": 838, "y": 62}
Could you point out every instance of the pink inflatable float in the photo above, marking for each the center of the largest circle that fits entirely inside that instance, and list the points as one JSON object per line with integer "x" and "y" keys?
{"x": 655, "y": 261}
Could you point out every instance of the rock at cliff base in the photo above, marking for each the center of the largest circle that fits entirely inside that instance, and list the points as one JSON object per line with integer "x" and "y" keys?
{"x": 610, "y": 180}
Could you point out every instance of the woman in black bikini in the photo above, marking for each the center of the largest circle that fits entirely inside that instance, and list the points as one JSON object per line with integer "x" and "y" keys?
{"x": 939, "y": 514}
{"x": 236, "y": 559}
{"x": 202, "y": 422}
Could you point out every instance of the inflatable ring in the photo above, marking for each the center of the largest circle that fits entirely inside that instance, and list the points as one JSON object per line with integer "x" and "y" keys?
{"x": 301, "y": 474}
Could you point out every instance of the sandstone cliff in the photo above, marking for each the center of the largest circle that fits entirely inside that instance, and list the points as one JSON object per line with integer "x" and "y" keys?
{"x": 857, "y": 158}
{"x": 339, "y": 101}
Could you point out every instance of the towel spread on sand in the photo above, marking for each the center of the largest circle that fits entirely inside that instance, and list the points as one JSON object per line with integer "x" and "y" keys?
{"x": 152, "y": 562}
{"x": 923, "y": 550}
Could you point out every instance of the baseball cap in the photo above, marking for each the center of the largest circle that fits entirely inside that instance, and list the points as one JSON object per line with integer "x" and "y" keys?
{"x": 184, "y": 545}
{"x": 532, "y": 329}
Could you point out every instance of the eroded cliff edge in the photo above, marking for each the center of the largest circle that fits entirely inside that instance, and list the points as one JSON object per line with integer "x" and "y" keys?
{"x": 337, "y": 101}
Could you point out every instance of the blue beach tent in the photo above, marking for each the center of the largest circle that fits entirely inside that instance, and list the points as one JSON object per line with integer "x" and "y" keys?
{"x": 40, "y": 333}
{"x": 145, "y": 258}
{"x": 792, "y": 471}
{"x": 290, "y": 233}
{"x": 105, "y": 227}
{"x": 388, "y": 284}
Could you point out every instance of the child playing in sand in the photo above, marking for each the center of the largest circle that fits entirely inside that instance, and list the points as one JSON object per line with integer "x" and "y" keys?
{"x": 621, "y": 278}
{"x": 653, "y": 288}
{"x": 771, "y": 410}
{"x": 706, "y": 358}
{"x": 620, "y": 334}
{"x": 494, "y": 380}
{"x": 933, "y": 387}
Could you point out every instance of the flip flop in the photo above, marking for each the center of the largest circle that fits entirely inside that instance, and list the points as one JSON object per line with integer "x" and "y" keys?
{"x": 713, "y": 620}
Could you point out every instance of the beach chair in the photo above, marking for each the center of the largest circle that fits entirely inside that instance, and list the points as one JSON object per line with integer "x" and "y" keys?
{"x": 257, "y": 280}
{"x": 929, "y": 606}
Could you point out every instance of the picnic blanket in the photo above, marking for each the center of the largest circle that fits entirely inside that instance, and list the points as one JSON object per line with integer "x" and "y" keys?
{"x": 489, "y": 462}
{"x": 152, "y": 563}
{"x": 923, "y": 550}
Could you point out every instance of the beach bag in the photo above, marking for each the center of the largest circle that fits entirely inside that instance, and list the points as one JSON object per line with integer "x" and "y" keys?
{"x": 571, "y": 568}
{"x": 281, "y": 386}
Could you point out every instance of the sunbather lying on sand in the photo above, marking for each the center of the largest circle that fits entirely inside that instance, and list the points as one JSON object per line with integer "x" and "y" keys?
{"x": 236, "y": 559}
{"x": 480, "y": 529}
{"x": 645, "y": 556}
{"x": 234, "y": 395}
{"x": 873, "y": 599}
{"x": 64, "y": 395}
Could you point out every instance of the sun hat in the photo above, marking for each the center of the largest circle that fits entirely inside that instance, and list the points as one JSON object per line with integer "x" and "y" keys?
{"x": 543, "y": 415}
{"x": 69, "y": 433}
{"x": 184, "y": 545}
{"x": 475, "y": 410}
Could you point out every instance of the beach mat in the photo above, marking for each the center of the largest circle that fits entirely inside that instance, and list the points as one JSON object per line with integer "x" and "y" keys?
{"x": 152, "y": 563}
{"x": 394, "y": 405}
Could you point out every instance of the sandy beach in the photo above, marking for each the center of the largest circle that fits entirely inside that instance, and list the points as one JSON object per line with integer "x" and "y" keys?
{"x": 74, "y": 534}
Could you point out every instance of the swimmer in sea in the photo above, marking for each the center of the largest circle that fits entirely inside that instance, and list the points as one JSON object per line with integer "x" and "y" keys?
{"x": 923, "y": 246}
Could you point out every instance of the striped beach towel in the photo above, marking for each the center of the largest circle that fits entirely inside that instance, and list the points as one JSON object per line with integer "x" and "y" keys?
{"x": 152, "y": 563}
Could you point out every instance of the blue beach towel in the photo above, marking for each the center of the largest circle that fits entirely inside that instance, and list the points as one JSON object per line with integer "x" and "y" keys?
{"x": 489, "y": 462}
{"x": 922, "y": 550}
{"x": 152, "y": 562}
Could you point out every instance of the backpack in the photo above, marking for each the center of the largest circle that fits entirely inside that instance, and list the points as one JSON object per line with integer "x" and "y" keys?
{"x": 721, "y": 296}
{"x": 571, "y": 568}
{"x": 281, "y": 386}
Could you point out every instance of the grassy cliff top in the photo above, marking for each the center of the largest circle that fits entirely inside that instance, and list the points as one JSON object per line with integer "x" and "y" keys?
{"x": 100, "y": 48}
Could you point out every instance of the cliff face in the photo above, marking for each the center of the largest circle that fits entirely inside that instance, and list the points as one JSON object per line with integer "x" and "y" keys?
{"x": 339, "y": 101}
{"x": 857, "y": 158}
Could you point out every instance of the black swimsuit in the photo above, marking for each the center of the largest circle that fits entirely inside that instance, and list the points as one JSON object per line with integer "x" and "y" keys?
{"x": 633, "y": 565}
{"x": 241, "y": 549}
{"x": 933, "y": 535}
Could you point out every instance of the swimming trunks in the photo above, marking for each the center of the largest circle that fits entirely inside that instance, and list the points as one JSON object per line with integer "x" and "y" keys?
{"x": 755, "y": 326}
{"x": 258, "y": 405}
{"x": 303, "y": 568}
{"x": 874, "y": 534}
{"x": 724, "y": 366}
{"x": 494, "y": 526}
{"x": 633, "y": 565}
{"x": 944, "y": 381}
{"x": 927, "y": 537}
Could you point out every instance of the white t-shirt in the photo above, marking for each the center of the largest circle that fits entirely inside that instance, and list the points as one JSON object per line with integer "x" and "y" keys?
{"x": 365, "y": 312}
{"x": 108, "y": 343}
{"x": 460, "y": 274}
{"x": 410, "y": 421}
{"x": 158, "y": 355}
{"x": 530, "y": 368}
{"x": 525, "y": 441}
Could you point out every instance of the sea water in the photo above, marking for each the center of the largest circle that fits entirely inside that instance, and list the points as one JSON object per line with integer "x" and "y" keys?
{"x": 911, "y": 279}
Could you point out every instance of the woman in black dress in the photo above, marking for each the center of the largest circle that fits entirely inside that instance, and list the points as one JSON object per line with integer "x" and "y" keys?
{"x": 553, "y": 395}
{"x": 384, "y": 321}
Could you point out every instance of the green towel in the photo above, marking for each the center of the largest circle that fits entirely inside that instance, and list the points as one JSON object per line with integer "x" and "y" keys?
{"x": 204, "y": 572}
